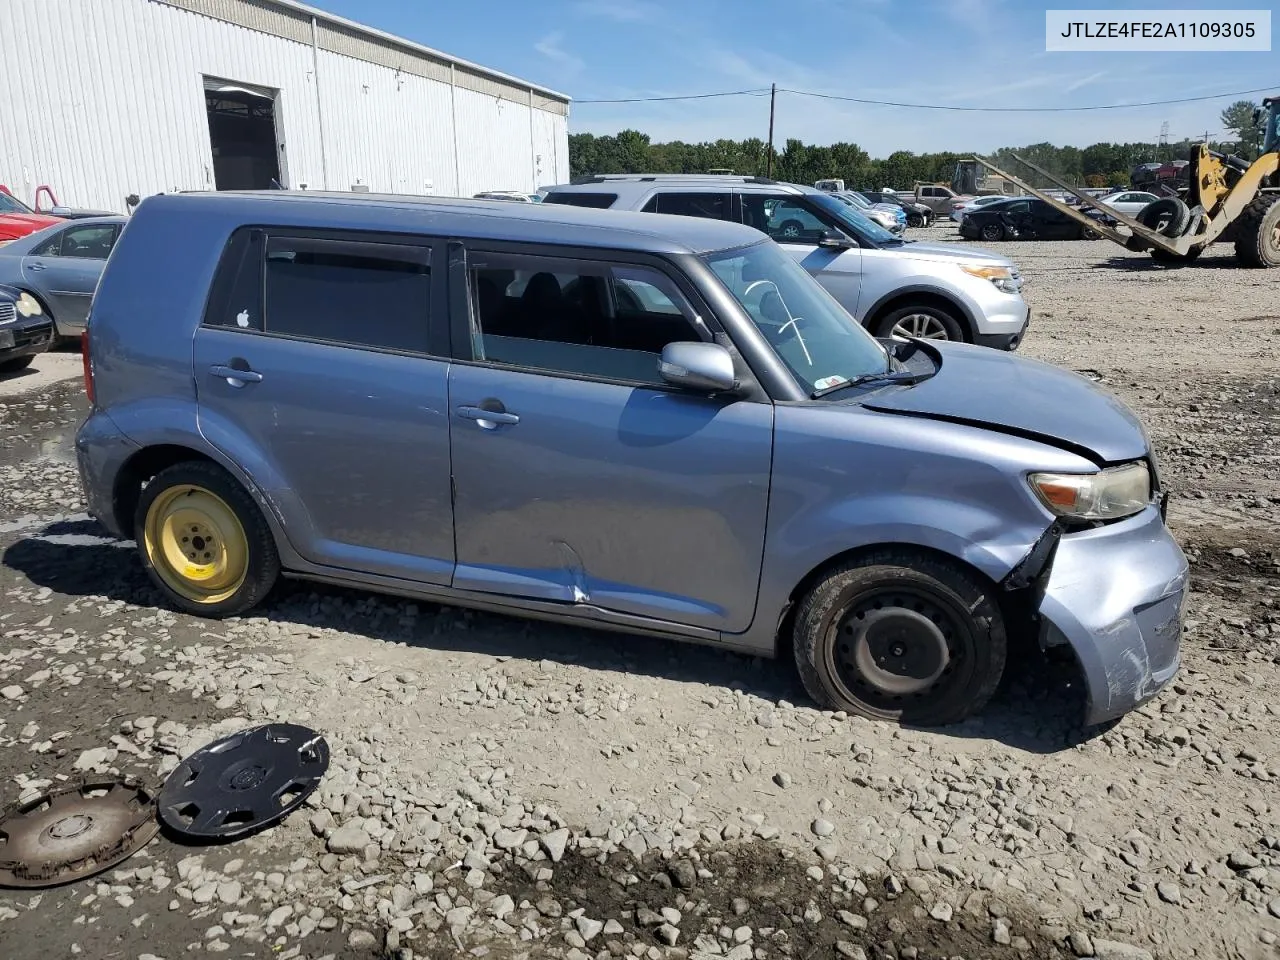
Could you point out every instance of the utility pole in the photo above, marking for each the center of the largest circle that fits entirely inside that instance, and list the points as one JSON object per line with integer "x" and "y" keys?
{"x": 768, "y": 162}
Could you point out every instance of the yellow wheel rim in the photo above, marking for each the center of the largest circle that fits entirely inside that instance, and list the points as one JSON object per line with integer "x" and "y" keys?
{"x": 196, "y": 544}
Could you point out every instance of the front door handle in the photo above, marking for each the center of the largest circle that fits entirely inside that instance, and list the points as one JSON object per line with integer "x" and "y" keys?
{"x": 234, "y": 375}
{"x": 489, "y": 419}
{"x": 35, "y": 266}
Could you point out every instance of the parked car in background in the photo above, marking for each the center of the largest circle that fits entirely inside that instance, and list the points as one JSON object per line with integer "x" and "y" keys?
{"x": 918, "y": 215}
{"x": 19, "y": 220}
{"x": 508, "y": 195}
{"x": 1022, "y": 218}
{"x": 696, "y": 463}
{"x": 1129, "y": 202}
{"x": 936, "y": 197}
{"x": 962, "y": 207}
{"x": 893, "y": 219}
{"x": 894, "y": 287}
{"x": 60, "y": 266}
{"x": 25, "y": 332}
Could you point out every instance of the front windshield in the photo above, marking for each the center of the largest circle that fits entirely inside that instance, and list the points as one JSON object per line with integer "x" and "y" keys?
{"x": 819, "y": 342}
{"x": 857, "y": 200}
{"x": 852, "y": 220}
{"x": 10, "y": 204}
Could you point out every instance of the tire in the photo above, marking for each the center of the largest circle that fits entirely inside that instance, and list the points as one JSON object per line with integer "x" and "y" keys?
{"x": 790, "y": 229}
{"x": 992, "y": 232}
{"x": 1172, "y": 259}
{"x": 1169, "y": 216}
{"x": 13, "y": 366}
{"x": 1258, "y": 233}
{"x": 1088, "y": 234}
{"x": 241, "y": 563}
{"x": 916, "y": 220}
{"x": 878, "y": 612}
{"x": 923, "y": 320}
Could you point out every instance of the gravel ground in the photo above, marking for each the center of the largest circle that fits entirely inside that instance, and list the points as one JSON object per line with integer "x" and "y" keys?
{"x": 507, "y": 789}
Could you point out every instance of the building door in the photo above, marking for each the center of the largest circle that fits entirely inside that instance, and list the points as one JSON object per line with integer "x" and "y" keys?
{"x": 243, "y": 135}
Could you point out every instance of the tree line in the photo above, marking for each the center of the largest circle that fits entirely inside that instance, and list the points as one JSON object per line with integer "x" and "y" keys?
{"x": 1098, "y": 165}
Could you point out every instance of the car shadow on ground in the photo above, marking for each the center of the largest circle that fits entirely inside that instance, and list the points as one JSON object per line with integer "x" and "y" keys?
{"x": 9, "y": 376}
{"x": 1036, "y": 709}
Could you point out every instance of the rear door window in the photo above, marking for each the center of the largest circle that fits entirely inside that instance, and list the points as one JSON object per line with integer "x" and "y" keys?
{"x": 596, "y": 201}
{"x": 710, "y": 206}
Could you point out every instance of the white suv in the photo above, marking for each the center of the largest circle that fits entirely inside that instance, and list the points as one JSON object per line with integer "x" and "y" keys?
{"x": 894, "y": 287}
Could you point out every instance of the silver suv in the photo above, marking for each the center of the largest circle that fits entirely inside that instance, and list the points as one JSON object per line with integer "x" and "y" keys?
{"x": 894, "y": 287}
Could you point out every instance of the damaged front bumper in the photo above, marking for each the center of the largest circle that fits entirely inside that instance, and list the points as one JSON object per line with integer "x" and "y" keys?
{"x": 1115, "y": 595}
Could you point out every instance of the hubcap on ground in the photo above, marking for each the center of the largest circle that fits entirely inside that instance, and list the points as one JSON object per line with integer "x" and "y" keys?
{"x": 924, "y": 325}
{"x": 895, "y": 646}
{"x": 196, "y": 544}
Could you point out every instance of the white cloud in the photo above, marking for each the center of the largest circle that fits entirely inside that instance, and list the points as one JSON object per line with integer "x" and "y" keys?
{"x": 551, "y": 47}
{"x": 622, "y": 11}
{"x": 1085, "y": 81}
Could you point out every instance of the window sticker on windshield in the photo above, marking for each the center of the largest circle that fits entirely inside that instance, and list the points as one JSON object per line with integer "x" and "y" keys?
{"x": 828, "y": 382}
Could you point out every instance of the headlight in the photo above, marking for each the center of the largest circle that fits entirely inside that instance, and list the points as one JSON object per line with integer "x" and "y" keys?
{"x": 1107, "y": 495}
{"x": 29, "y": 306}
{"x": 1005, "y": 279}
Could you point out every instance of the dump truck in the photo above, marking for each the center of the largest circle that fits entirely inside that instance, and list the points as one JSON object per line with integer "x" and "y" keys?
{"x": 1227, "y": 197}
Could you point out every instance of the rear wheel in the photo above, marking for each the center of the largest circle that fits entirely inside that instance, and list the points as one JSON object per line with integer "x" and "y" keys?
{"x": 992, "y": 232}
{"x": 13, "y": 366}
{"x": 204, "y": 542}
{"x": 1258, "y": 233}
{"x": 924, "y": 321}
{"x": 900, "y": 636}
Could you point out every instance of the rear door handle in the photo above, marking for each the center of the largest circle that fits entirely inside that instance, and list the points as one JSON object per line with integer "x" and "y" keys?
{"x": 489, "y": 419}
{"x": 235, "y": 376}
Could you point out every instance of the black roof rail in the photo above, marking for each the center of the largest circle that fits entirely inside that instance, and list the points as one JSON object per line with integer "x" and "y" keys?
{"x": 593, "y": 178}
{"x": 768, "y": 180}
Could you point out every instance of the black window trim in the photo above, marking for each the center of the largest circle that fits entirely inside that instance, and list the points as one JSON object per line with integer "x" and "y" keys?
{"x": 437, "y": 312}
{"x": 463, "y": 308}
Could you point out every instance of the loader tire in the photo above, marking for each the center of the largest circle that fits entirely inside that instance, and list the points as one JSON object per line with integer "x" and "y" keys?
{"x": 1258, "y": 233}
{"x": 1169, "y": 216}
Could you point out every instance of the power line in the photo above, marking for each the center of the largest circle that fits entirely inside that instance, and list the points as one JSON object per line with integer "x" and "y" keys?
{"x": 760, "y": 92}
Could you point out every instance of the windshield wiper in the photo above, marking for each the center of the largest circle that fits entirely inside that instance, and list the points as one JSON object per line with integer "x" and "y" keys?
{"x": 885, "y": 376}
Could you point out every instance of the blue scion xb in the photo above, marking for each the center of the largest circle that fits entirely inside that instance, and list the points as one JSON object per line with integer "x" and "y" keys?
{"x": 655, "y": 424}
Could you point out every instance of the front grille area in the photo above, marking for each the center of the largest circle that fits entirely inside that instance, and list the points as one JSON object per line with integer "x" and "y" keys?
{"x": 8, "y": 311}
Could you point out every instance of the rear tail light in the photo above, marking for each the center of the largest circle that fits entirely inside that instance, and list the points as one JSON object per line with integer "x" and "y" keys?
{"x": 88, "y": 366}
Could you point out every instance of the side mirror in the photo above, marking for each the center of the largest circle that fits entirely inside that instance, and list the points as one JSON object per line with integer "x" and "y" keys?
{"x": 834, "y": 239}
{"x": 705, "y": 367}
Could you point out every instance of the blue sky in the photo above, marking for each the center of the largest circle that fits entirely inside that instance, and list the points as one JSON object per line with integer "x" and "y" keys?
{"x": 959, "y": 52}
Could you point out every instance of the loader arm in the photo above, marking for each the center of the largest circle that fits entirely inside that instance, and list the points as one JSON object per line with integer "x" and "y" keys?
{"x": 1241, "y": 195}
{"x": 1155, "y": 239}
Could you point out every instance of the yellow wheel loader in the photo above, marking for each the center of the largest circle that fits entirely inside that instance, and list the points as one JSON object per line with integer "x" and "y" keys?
{"x": 1224, "y": 193}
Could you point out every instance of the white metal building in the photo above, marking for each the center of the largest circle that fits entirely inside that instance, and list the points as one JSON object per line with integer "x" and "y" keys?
{"x": 135, "y": 97}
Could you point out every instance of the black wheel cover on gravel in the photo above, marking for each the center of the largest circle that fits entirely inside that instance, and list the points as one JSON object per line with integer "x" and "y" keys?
{"x": 244, "y": 782}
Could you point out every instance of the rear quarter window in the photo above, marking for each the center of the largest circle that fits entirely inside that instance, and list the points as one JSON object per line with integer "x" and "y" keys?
{"x": 596, "y": 201}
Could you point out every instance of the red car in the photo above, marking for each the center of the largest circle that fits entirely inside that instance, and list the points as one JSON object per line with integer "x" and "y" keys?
{"x": 18, "y": 220}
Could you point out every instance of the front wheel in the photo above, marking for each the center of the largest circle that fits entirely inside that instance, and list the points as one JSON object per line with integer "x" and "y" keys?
{"x": 925, "y": 321}
{"x": 204, "y": 542}
{"x": 992, "y": 232}
{"x": 900, "y": 635}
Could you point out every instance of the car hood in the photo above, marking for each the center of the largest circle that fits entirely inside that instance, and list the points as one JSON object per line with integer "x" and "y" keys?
{"x": 993, "y": 389}
{"x": 949, "y": 253}
{"x": 14, "y": 225}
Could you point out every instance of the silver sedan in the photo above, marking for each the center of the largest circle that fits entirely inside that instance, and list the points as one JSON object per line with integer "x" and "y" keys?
{"x": 60, "y": 266}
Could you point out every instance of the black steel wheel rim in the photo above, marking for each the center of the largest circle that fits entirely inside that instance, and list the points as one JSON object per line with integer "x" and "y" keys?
{"x": 991, "y": 232}
{"x": 899, "y": 647}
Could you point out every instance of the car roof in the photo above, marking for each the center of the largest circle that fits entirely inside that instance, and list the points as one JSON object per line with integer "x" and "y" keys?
{"x": 468, "y": 218}
{"x": 641, "y": 184}
{"x": 34, "y": 239}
